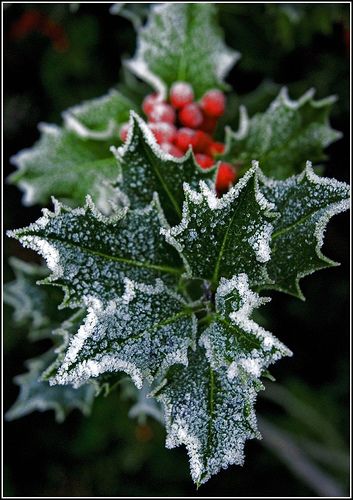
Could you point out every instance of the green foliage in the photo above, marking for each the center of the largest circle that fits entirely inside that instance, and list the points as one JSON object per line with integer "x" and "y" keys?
{"x": 200, "y": 355}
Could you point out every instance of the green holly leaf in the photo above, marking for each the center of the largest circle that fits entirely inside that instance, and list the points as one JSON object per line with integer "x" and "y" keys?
{"x": 211, "y": 415}
{"x": 36, "y": 394}
{"x": 142, "y": 333}
{"x": 34, "y": 307}
{"x": 66, "y": 166}
{"x": 99, "y": 118}
{"x": 235, "y": 341}
{"x": 284, "y": 137}
{"x": 220, "y": 237}
{"x": 306, "y": 203}
{"x": 90, "y": 254}
{"x": 146, "y": 169}
{"x": 182, "y": 41}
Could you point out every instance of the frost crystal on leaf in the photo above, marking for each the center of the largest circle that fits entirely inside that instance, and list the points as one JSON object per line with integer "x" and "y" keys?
{"x": 36, "y": 394}
{"x": 226, "y": 236}
{"x": 63, "y": 165}
{"x": 306, "y": 203}
{"x": 99, "y": 118}
{"x": 211, "y": 415}
{"x": 235, "y": 341}
{"x": 283, "y": 137}
{"x": 35, "y": 307}
{"x": 182, "y": 42}
{"x": 90, "y": 254}
{"x": 142, "y": 333}
{"x": 146, "y": 169}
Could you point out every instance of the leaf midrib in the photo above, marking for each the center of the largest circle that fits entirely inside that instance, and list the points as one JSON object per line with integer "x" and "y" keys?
{"x": 145, "y": 265}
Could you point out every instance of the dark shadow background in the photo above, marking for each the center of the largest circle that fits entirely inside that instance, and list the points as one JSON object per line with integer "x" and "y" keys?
{"x": 107, "y": 454}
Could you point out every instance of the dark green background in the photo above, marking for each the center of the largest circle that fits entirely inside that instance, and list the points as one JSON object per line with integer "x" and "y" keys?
{"x": 300, "y": 45}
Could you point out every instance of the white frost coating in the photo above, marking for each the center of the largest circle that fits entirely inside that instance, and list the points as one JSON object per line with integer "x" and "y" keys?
{"x": 47, "y": 251}
{"x": 243, "y": 129}
{"x": 73, "y": 124}
{"x": 235, "y": 302}
{"x": 149, "y": 138}
{"x": 141, "y": 69}
{"x": 143, "y": 332}
{"x": 261, "y": 243}
{"x": 283, "y": 99}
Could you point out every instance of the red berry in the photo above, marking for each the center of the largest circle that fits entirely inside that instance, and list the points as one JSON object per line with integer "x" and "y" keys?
{"x": 225, "y": 177}
{"x": 181, "y": 94}
{"x": 162, "y": 112}
{"x": 190, "y": 115}
{"x": 163, "y": 132}
{"x": 213, "y": 103}
{"x": 124, "y": 130}
{"x": 172, "y": 150}
{"x": 204, "y": 161}
{"x": 216, "y": 148}
{"x": 149, "y": 102}
{"x": 202, "y": 142}
{"x": 208, "y": 124}
{"x": 185, "y": 137}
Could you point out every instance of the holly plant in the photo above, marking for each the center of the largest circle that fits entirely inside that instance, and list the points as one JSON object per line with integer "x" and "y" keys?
{"x": 164, "y": 239}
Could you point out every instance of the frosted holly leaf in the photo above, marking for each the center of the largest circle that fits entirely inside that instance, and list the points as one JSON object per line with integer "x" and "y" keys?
{"x": 225, "y": 236}
{"x": 283, "y": 137}
{"x": 99, "y": 118}
{"x": 306, "y": 203}
{"x": 146, "y": 169}
{"x": 211, "y": 415}
{"x": 63, "y": 165}
{"x": 141, "y": 333}
{"x": 37, "y": 395}
{"x": 182, "y": 41}
{"x": 34, "y": 306}
{"x": 90, "y": 254}
{"x": 235, "y": 341}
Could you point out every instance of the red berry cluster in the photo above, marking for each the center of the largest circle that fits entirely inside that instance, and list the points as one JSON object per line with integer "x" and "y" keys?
{"x": 182, "y": 122}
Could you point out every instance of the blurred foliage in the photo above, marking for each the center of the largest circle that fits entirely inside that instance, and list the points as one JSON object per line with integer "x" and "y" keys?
{"x": 55, "y": 56}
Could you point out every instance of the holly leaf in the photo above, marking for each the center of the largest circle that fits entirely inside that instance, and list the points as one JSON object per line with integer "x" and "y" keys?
{"x": 182, "y": 41}
{"x": 34, "y": 307}
{"x": 66, "y": 166}
{"x": 211, "y": 415}
{"x": 142, "y": 333}
{"x": 146, "y": 169}
{"x": 220, "y": 237}
{"x": 284, "y": 136}
{"x": 99, "y": 118}
{"x": 235, "y": 341}
{"x": 36, "y": 394}
{"x": 90, "y": 254}
{"x": 306, "y": 203}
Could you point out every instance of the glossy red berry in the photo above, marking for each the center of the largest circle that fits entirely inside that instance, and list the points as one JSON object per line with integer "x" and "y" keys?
{"x": 226, "y": 176}
{"x": 216, "y": 148}
{"x": 163, "y": 132}
{"x": 185, "y": 137}
{"x": 181, "y": 94}
{"x": 191, "y": 116}
{"x": 213, "y": 103}
{"x": 162, "y": 112}
{"x": 171, "y": 149}
{"x": 149, "y": 102}
{"x": 204, "y": 161}
{"x": 202, "y": 142}
{"x": 124, "y": 130}
{"x": 208, "y": 124}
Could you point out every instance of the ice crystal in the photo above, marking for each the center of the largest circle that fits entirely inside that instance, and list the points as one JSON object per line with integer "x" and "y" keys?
{"x": 225, "y": 236}
{"x": 142, "y": 333}
{"x": 90, "y": 254}
{"x": 233, "y": 340}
